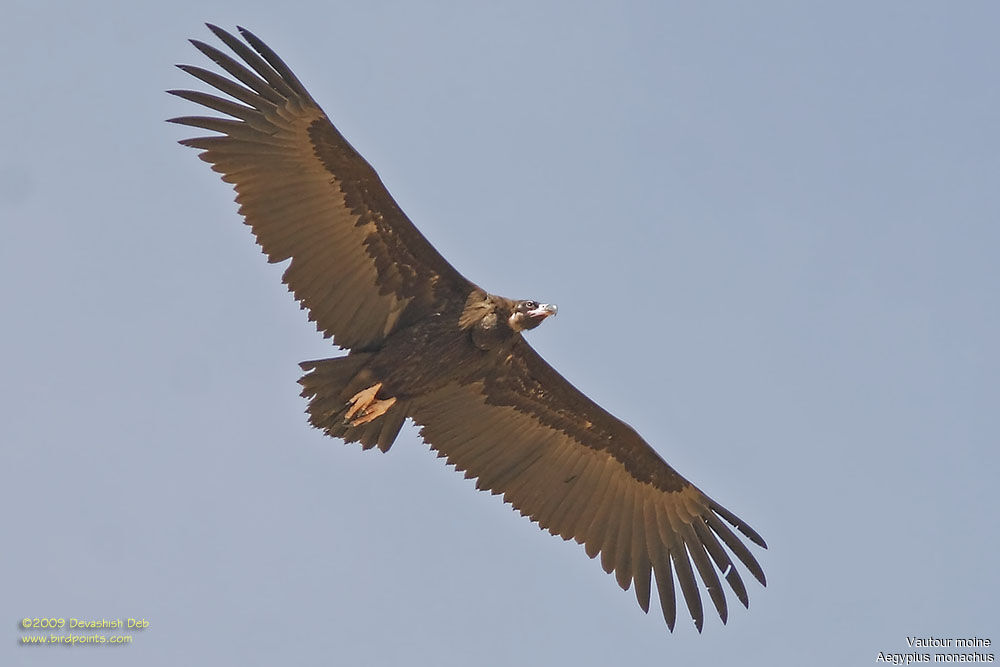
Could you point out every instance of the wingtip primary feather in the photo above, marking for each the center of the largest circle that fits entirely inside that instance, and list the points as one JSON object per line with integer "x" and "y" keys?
{"x": 217, "y": 31}
{"x": 739, "y": 525}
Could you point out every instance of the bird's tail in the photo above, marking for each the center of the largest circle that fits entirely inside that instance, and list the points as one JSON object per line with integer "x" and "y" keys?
{"x": 343, "y": 397}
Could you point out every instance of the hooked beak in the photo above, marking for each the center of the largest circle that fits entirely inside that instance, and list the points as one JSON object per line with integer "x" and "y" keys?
{"x": 543, "y": 311}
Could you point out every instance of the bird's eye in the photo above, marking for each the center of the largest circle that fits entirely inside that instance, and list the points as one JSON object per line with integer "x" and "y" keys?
{"x": 530, "y": 305}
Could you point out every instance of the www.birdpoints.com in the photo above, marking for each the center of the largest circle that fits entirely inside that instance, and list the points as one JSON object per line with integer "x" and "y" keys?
{"x": 940, "y": 650}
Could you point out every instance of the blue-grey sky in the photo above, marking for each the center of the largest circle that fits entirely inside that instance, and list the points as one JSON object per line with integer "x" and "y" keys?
{"x": 773, "y": 232}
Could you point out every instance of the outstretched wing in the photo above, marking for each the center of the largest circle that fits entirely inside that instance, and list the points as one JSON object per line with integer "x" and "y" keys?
{"x": 563, "y": 461}
{"x": 358, "y": 264}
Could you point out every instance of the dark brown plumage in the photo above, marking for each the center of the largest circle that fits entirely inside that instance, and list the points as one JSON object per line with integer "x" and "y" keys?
{"x": 427, "y": 344}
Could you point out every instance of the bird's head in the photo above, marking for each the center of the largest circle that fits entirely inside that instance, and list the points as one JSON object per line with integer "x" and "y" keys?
{"x": 529, "y": 314}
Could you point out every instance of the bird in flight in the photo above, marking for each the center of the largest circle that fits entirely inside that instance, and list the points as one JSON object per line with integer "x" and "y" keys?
{"x": 427, "y": 344}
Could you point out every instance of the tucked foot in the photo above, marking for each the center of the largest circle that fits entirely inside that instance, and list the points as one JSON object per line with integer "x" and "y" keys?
{"x": 366, "y": 406}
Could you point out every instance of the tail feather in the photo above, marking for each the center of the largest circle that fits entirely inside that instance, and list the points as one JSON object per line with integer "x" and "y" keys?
{"x": 329, "y": 385}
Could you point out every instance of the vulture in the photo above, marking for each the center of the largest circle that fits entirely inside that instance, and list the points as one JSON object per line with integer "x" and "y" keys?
{"x": 427, "y": 344}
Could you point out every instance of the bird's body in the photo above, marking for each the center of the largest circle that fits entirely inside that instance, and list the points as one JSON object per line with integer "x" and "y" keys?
{"x": 429, "y": 345}
{"x": 470, "y": 342}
